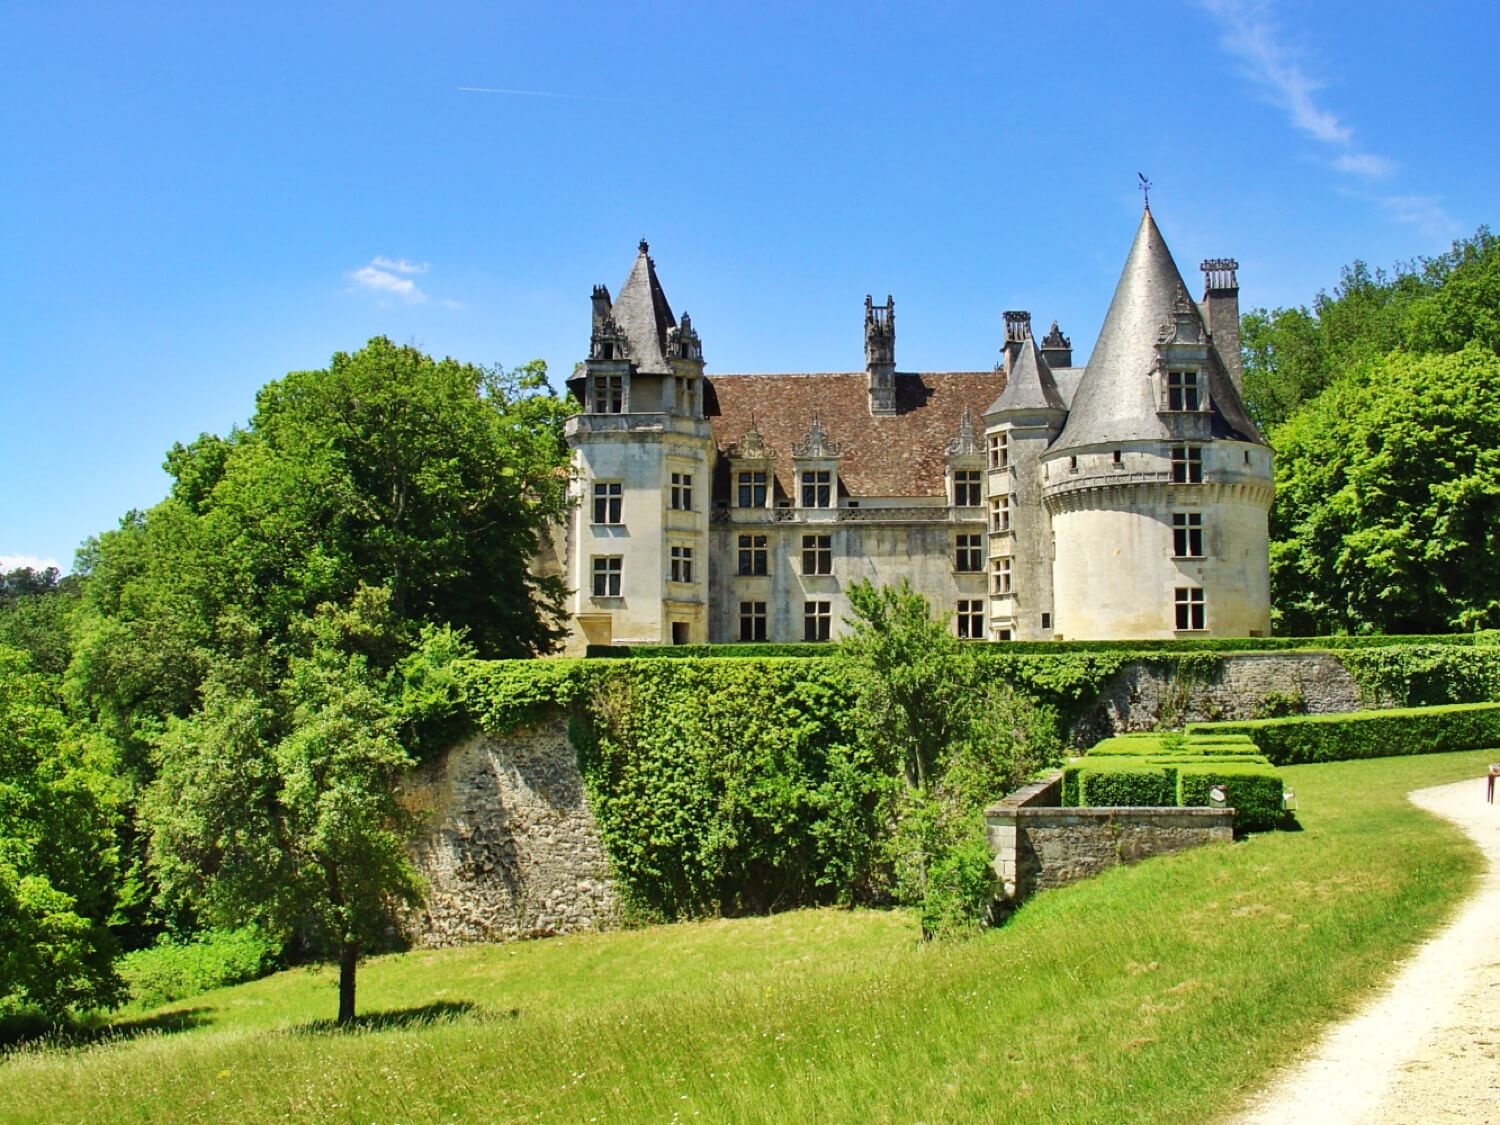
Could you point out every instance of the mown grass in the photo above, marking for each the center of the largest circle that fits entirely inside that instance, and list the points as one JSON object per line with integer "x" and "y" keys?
{"x": 1161, "y": 992}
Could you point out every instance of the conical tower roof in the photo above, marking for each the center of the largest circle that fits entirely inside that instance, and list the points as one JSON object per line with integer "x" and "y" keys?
{"x": 1030, "y": 385}
{"x": 1115, "y": 400}
{"x": 642, "y": 312}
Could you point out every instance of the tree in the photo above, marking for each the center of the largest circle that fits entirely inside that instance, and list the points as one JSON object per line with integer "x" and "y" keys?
{"x": 56, "y": 861}
{"x": 35, "y": 607}
{"x": 961, "y": 738}
{"x": 1387, "y": 512}
{"x": 276, "y": 804}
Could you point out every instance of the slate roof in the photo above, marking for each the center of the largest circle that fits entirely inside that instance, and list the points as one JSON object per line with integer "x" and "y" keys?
{"x": 1031, "y": 385}
{"x": 642, "y": 312}
{"x": 1114, "y": 401}
{"x": 901, "y": 455}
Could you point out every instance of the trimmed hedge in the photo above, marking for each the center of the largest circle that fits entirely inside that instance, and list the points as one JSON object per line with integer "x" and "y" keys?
{"x": 1198, "y": 644}
{"x": 1252, "y": 789}
{"x": 1367, "y": 734}
{"x": 1119, "y": 782}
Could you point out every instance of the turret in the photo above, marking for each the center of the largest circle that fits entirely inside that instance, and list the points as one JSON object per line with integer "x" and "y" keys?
{"x": 880, "y": 354}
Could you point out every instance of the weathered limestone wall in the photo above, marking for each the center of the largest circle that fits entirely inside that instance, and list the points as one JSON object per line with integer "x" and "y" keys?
{"x": 1037, "y": 845}
{"x": 1144, "y": 695}
{"x": 512, "y": 849}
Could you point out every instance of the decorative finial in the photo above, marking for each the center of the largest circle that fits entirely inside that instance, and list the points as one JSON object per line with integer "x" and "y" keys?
{"x": 1145, "y": 186}
{"x": 645, "y": 247}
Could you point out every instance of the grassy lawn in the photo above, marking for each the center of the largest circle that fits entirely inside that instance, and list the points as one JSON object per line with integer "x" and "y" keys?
{"x": 1160, "y": 992}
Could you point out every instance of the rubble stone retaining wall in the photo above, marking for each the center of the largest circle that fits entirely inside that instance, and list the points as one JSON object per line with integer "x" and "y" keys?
{"x": 511, "y": 849}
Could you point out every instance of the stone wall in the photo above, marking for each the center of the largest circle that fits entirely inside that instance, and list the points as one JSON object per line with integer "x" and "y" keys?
{"x": 511, "y": 849}
{"x": 1143, "y": 695}
{"x": 1037, "y": 845}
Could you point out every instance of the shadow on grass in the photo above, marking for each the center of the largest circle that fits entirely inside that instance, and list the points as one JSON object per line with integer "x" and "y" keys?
{"x": 397, "y": 1019}
{"x": 37, "y": 1032}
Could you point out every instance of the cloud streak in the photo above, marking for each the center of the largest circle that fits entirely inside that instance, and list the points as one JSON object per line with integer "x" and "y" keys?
{"x": 34, "y": 562}
{"x": 1249, "y": 33}
{"x": 387, "y": 277}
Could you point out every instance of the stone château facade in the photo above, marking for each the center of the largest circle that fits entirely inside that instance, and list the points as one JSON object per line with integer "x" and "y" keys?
{"x": 1124, "y": 499}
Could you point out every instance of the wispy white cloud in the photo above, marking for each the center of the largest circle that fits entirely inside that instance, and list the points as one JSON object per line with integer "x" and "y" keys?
{"x": 1425, "y": 212}
{"x": 1251, "y": 35}
{"x": 399, "y": 265}
{"x": 383, "y": 277}
{"x": 34, "y": 562}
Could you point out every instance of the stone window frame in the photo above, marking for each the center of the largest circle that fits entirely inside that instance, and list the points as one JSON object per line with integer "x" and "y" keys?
{"x": 998, "y": 451}
{"x": 1191, "y": 609}
{"x": 608, "y": 574}
{"x": 609, "y": 502}
{"x": 1002, "y": 578}
{"x": 969, "y": 619}
{"x": 680, "y": 492}
{"x": 608, "y": 394}
{"x": 680, "y": 564}
{"x": 753, "y": 621}
{"x": 1187, "y": 535}
{"x": 1000, "y": 513}
{"x": 1184, "y": 390}
{"x": 817, "y": 620}
{"x": 817, "y": 554}
{"x": 1187, "y": 464}
{"x": 819, "y": 485}
{"x": 752, "y": 488}
{"x": 754, "y": 555}
{"x": 968, "y": 488}
{"x": 968, "y": 553}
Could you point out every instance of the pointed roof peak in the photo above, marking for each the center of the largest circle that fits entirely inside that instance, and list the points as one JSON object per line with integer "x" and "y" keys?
{"x": 1114, "y": 400}
{"x": 642, "y": 311}
{"x": 1030, "y": 384}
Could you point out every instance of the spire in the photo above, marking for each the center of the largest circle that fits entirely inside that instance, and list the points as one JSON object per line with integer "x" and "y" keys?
{"x": 1029, "y": 385}
{"x": 642, "y": 312}
{"x": 1115, "y": 400}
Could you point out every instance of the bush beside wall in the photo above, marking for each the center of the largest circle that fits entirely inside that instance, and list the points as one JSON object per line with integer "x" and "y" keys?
{"x": 1252, "y": 789}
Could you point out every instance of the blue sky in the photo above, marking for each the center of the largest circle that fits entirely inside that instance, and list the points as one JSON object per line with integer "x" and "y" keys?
{"x": 198, "y": 198}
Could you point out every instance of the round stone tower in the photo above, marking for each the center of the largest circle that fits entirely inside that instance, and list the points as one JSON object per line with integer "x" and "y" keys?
{"x": 1159, "y": 486}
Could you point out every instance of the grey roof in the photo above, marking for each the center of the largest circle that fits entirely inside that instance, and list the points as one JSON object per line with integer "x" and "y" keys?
{"x": 642, "y": 312}
{"x": 1114, "y": 402}
{"x": 1030, "y": 385}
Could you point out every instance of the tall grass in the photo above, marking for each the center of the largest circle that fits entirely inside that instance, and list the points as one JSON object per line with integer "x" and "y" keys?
{"x": 1160, "y": 992}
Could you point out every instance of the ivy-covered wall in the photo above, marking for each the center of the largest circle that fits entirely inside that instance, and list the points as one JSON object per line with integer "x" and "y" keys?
{"x": 723, "y": 786}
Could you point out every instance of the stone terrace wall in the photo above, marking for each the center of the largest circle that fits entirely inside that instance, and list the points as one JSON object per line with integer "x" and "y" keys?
{"x": 512, "y": 849}
{"x": 1037, "y": 845}
{"x": 1143, "y": 695}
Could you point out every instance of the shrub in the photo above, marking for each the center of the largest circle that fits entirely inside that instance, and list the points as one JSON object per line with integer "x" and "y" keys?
{"x": 168, "y": 971}
{"x": 960, "y": 888}
{"x": 1108, "y": 782}
{"x": 1252, "y": 789}
{"x": 1367, "y": 734}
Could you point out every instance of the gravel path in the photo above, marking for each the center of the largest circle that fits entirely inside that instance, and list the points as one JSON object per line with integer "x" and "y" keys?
{"x": 1428, "y": 1048}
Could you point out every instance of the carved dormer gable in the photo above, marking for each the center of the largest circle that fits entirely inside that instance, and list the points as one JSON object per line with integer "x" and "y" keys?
{"x": 817, "y": 446}
{"x": 751, "y": 447}
{"x": 608, "y": 341}
{"x": 1186, "y": 325}
{"x": 683, "y": 341}
{"x": 966, "y": 444}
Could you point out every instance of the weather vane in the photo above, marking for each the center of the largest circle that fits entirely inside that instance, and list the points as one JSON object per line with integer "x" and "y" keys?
{"x": 1145, "y": 187}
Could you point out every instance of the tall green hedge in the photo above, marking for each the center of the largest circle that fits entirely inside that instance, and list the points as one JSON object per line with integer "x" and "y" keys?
{"x": 1252, "y": 789}
{"x": 1367, "y": 734}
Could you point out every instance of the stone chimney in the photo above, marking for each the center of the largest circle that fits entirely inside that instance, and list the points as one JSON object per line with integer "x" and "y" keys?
{"x": 1057, "y": 349}
{"x": 880, "y": 354}
{"x": 1017, "y": 329}
{"x": 1221, "y": 311}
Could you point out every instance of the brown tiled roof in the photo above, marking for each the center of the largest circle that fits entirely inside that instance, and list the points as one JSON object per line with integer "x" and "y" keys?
{"x": 903, "y": 455}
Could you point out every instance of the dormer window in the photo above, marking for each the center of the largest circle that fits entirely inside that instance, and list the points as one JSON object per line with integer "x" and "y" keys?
{"x": 752, "y": 491}
{"x": 609, "y": 394}
{"x": 1183, "y": 391}
{"x": 967, "y": 488}
{"x": 817, "y": 488}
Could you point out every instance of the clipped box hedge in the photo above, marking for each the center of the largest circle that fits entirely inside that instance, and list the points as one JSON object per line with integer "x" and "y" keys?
{"x": 1113, "y": 782}
{"x": 1366, "y": 734}
{"x": 1252, "y": 789}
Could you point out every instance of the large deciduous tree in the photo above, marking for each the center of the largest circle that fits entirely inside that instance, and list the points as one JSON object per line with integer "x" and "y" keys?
{"x": 1387, "y": 513}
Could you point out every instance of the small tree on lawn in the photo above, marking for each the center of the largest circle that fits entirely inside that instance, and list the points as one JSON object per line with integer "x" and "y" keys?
{"x": 276, "y": 804}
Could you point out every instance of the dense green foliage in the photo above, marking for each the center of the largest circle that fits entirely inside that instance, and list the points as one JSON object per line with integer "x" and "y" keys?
{"x": 1383, "y": 409}
{"x": 1423, "y": 675}
{"x": 35, "y": 612}
{"x": 171, "y": 970}
{"x": 56, "y": 855}
{"x": 1253, "y": 789}
{"x": 1367, "y": 734}
{"x": 1121, "y": 782}
{"x": 1160, "y": 992}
